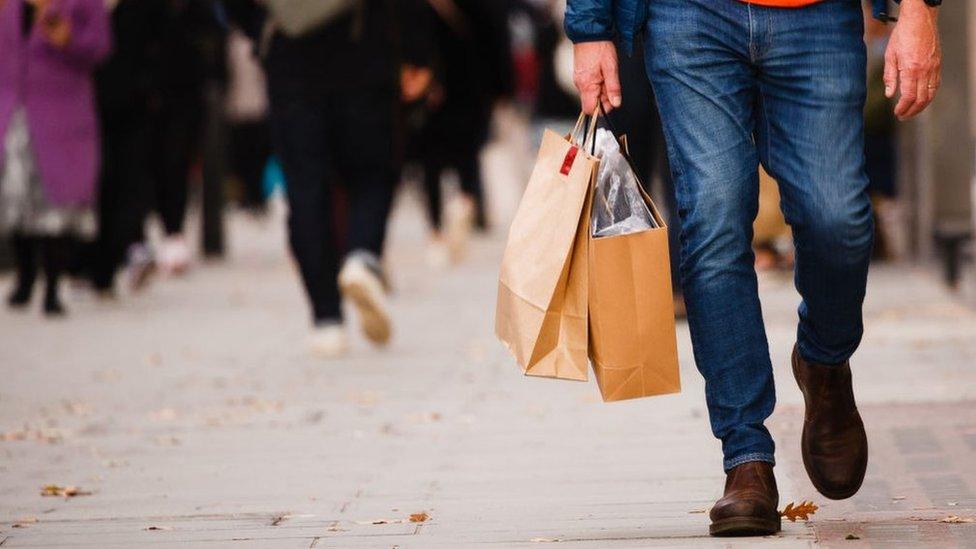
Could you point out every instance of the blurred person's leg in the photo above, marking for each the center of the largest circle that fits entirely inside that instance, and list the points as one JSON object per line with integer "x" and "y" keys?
{"x": 365, "y": 157}
{"x": 363, "y": 144}
{"x": 56, "y": 253}
{"x": 472, "y": 185}
{"x": 433, "y": 194}
{"x": 301, "y": 133}
{"x": 438, "y": 253}
{"x": 178, "y": 140}
{"x": 25, "y": 250}
{"x": 251, "y": 150}
{"x": 121, "y": 164}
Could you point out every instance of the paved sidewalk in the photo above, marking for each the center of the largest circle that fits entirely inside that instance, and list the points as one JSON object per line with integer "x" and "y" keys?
{"x": 195, "y": 418}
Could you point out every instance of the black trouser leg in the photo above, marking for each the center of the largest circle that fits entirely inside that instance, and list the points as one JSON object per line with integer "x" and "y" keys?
{"x": 300, "y": 130}
{"x": 25, "y": 255}
{"x": 251, "y": 149}
{"x": 175, "y": 144}
{"x": 56, "y": 252}
{"x": 433, "y": 169}
{"x": 366, "y": 160}
{"x": 124, "y": 199}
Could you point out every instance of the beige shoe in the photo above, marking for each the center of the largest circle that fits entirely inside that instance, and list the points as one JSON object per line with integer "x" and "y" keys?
{"x": 361, "y": 284}
{"x": 459, "y": 221}
{"x": 328, "y": 341}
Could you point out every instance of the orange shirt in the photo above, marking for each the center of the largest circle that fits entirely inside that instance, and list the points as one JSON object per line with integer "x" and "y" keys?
{"x": 783, "y": 3}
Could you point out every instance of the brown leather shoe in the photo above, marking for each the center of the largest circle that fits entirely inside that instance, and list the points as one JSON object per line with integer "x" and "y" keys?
{"x": 749, "y": 506}
{"x": 835, "y": 446}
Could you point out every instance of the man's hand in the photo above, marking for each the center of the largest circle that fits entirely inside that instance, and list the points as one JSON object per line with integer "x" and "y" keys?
{"x": 595, "y": 75}
{"x": 913, "y": 62}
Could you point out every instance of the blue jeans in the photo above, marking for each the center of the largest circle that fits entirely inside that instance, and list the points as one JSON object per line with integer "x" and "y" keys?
{"x": 739, "y": 84}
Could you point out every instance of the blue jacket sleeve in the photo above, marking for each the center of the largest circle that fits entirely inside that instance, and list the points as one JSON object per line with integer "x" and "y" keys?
{"x": 589, "y": 20}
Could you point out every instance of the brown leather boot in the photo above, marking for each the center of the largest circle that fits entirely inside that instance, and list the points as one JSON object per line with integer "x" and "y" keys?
{"x": 749, "y": 506}
{"x": 835, "y": 446}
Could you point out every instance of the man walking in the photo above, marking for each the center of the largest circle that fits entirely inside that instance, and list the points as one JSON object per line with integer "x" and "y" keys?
{"x": 782, "y": 83}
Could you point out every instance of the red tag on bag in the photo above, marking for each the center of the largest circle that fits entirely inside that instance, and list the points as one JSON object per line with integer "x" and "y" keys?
{"x": 568, "y": 161}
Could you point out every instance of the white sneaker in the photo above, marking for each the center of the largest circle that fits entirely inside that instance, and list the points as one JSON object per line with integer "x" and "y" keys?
{"x": 328, "y": 341}
{"x": 360, "y": 282}
{"x": 174, "y": 255}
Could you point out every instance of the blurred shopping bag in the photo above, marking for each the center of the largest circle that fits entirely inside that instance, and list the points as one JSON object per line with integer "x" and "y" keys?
{"x": 633, "y": 344}
{"x": 541, "y": 314}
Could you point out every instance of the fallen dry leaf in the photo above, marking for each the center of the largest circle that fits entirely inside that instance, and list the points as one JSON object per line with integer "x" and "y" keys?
{"x": 53, "y": 490}
{"x": 801, "y": 511}
{"x": 419, "y": 517}
{"x": 953, "y": 519}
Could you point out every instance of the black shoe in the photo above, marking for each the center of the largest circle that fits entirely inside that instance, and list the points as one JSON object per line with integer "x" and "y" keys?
{"x": 20, "y": 297}
{"x": 53, "y": 307}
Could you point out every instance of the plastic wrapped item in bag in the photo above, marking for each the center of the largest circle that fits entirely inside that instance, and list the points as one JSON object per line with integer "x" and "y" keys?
{"x": 619, "y": 207}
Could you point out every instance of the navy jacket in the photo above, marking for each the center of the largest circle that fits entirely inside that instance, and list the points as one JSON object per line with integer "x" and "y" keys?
{"x": 595, "y": 20}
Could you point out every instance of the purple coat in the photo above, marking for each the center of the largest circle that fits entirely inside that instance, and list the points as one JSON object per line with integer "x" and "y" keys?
{"x": 55, "y": 87}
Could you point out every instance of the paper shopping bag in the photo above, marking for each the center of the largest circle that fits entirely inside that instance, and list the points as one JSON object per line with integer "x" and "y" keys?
{"x": 633, "y": 345}
{"x": 541, "y": 313}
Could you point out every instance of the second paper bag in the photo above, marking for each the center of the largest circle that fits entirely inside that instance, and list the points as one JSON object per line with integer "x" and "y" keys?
{"x": 633, "y": 344}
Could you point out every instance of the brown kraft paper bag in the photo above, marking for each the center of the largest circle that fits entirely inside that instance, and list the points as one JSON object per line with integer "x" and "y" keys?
{"x": 633, "y": 345}
{"x": 541, "y": 313}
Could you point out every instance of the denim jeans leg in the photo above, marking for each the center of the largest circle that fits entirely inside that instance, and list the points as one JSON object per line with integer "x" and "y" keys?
{"x": 698, "y": 60}
{"x": 811, "y": 139}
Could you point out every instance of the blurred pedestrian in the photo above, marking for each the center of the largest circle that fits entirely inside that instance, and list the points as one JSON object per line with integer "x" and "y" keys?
{"x": 49, "y": 162}
{"x": 474, "y": 71}
{"x": 781, "y": 83}
{"x": 180, "y": 65}
{"x": 334, "y": 81}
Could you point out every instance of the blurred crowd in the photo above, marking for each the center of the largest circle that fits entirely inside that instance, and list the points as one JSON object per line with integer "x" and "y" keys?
{"x": 112, "y": 111}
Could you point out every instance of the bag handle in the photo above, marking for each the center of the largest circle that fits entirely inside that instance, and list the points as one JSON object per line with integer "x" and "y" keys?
{"x": 586, "y": 125}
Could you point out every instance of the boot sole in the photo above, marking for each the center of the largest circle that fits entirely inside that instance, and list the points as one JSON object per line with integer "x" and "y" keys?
{"x": 745, "y": 526}
{"x": 829, "y": 494}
